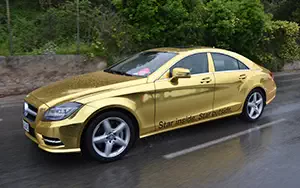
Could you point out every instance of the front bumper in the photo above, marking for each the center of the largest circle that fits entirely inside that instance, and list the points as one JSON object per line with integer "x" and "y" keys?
{"x": 52, "y": 149}
{"x": 67, "y": 131}
{"x": 69, "y": 135}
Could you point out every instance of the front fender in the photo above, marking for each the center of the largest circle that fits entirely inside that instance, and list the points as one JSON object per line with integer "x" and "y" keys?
{"x": 116, "y": 102}
{"x": 140, "y": 106}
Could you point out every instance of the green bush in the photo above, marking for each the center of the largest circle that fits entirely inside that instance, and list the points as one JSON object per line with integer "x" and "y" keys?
{"x": 191, "y": 31}
{"x": 279, "y": 45}
{"x": 120, "y": 27}
{"x": 25, "y": 35}
{"x": 3, "y": 32}
{"x": 161, "y": 22}
{"x": 58, "y": 24}
{"x": 237, "y": 25}
{"x": 113, "y": 36}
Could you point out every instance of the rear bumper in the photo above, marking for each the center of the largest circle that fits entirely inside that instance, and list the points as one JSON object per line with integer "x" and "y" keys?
{"x": 271, "y": 95}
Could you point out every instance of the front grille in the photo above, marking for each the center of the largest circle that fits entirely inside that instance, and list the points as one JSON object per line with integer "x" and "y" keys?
{"x": 30, "y": 112}
{"x": 33, "y": 108}
{"x": 31, "y": 131}
{"x": 30, "y": 117}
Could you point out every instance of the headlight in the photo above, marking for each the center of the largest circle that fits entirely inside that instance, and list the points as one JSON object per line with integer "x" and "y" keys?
{"x": 62, "y": 111}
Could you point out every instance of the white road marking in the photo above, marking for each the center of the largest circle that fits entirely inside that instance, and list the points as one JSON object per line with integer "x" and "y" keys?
{"x": 1, "y": 119}
{"x": 224, "y": 139}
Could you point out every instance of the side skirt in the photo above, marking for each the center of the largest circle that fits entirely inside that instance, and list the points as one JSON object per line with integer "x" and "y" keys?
{"x": 190, "y": 124}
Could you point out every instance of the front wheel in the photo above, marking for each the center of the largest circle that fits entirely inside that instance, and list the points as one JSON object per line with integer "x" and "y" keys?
{"x": 109, "y": 136}
{"x": 254, "y": 106}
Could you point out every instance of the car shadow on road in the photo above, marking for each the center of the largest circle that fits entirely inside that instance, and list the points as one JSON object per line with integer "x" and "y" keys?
{"x": 156, "y": 145}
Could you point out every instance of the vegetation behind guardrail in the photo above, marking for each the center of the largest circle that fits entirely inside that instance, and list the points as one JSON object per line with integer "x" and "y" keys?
{"x": 120, "y": 27}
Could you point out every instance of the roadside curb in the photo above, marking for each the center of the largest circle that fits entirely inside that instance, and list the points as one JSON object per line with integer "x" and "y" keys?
{"x": 280, "y": 74}
{"x": 16, "y": 99}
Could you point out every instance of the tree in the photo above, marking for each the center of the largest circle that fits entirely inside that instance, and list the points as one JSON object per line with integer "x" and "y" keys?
{"x": 283, "y": 9}
{"x": 9, "y": 28}
{"x": 163, "y": 22}
{"x": 237, "y": 25}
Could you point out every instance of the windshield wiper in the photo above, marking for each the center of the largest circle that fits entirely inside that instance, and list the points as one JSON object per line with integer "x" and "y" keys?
{"x": 117, "y": 72}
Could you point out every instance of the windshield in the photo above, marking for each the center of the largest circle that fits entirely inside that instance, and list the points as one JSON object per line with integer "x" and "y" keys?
{"x": 141, "y": 64}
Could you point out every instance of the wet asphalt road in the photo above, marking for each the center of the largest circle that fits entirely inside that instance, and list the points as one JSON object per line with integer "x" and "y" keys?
{"x": 268, "y": 157}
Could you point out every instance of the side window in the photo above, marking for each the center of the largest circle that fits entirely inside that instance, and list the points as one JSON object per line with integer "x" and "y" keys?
{"x": 224, "y": 62}
{"x": 196, "y": 63}
{"x": 242, "y": 66}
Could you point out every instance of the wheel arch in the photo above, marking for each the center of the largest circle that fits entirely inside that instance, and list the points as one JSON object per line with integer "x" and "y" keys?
{"x": 243, "y": 114}
{"x": 118, "y": 108}
{"x": 263, "y": 92}
{"x": 259, "y": 88}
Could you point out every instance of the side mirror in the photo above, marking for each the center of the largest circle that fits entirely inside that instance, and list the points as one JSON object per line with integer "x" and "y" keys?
{"x": 180, "y": 73}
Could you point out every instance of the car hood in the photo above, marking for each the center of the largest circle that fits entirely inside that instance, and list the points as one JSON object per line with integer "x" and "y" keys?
{"x": 80, "y": 86}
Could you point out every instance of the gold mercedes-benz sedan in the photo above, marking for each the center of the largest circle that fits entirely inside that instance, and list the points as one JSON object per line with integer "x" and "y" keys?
{"x": 103, "y": 113}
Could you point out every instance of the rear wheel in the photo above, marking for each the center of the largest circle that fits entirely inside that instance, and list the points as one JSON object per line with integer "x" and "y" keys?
{"x": 254, "y": 106}
{"x": 109, "y": 136}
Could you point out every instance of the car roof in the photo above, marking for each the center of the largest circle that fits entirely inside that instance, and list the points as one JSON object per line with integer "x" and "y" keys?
{"x": 196, "y": 49}
{"x": 179, "y": 49}
{"x": 192, "y": 50}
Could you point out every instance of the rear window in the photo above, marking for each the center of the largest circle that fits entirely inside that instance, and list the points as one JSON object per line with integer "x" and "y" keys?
{"x": 226, "y": 63}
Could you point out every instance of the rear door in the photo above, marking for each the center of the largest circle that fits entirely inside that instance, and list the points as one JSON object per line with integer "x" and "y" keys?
{"x": 231, "y": 77}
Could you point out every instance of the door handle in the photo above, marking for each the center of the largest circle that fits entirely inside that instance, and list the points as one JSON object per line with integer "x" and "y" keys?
{"x": 243, "y": 77}
{"x": 206, "y": 80}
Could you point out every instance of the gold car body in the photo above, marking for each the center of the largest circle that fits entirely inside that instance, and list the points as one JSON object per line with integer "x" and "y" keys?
{"x": 156, "y": 103}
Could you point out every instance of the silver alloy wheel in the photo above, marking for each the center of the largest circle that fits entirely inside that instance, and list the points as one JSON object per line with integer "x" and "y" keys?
{"x": 255, "y": 105}
{"x": 111, "y": 137}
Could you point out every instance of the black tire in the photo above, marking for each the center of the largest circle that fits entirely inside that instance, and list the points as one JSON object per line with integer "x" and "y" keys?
{"x": 245, "y": 115}
{"x": 87, "y": 143}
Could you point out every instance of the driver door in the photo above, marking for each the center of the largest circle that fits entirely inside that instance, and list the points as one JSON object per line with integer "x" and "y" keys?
{"x": 186, "y": 101}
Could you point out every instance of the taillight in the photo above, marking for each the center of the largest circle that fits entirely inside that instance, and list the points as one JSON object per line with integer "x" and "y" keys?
{"x": 272, "y": 75}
